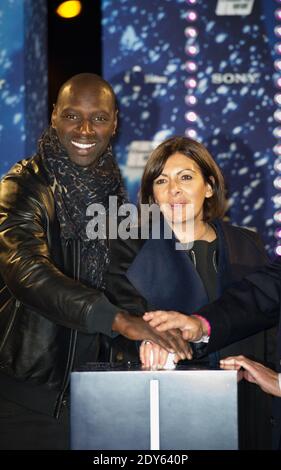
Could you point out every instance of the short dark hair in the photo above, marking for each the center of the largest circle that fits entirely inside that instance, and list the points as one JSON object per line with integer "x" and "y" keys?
{"x": 215, "y": 206}
{"x": 88, "y": 79}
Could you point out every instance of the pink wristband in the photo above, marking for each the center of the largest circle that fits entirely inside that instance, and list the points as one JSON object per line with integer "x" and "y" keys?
{"x": 206, "y": 322}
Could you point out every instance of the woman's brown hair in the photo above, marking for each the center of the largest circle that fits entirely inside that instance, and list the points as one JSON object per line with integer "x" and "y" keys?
{"x": 215, "y": 206}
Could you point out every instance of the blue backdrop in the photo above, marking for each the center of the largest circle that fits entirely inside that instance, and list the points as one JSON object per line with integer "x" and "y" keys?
{"x": 23, "y": 78}
{"x": 146, "y": 47}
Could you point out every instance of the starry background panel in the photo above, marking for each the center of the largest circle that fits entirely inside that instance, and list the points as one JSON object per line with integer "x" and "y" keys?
{"x": 144, "y": 57}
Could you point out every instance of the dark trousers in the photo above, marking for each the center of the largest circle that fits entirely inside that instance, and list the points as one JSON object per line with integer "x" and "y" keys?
{"x": 24, "y": 429}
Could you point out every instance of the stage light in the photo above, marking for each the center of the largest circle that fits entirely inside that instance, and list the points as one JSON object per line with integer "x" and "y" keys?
{"x": 191, "y": 66}
{"x": 277, "y": 183}
{"x": 192, "y": 2}
{"x": 278, "y": 82}
{"x": 277, "y": 200}
{"x": 277, "y": 165}
{"x": 191, "y": 133}
{"x": 277, "y": 149}
{"x": 191, "y": 15}
{"x": 277, "y": 31}
{"x": 278, "y": 250}
{"x": 277, "y": 115}
{"x": 277, "y": 132}
{"x": 277, "y": 48}
{"x": 277, "y": 217}
{"x": 190, "y": 100}
{"x": 190, "y": 83}
{"x": 69, "y": 9}
{"x": 277, "y": 65}
{"x": 277, "y": 14}
{"x": 191, "y": 49}
{"x": 277, "y": 98}
{"x": 191, "y": 116}
{"x": 277, "y": 232}
{"x": 191, "y": 32}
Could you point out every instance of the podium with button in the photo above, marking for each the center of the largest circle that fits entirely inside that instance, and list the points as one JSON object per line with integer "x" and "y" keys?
{"x": 115, "y": 407}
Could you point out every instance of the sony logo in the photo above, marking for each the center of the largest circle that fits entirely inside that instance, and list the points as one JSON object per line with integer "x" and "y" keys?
{"x": 234, "y": 78}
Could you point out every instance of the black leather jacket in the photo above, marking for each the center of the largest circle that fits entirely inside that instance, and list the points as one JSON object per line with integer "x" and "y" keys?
{"x": 43, "y": 306}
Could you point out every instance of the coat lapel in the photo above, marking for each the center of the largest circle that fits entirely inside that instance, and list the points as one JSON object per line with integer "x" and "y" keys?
{"x": 166, "y": 277}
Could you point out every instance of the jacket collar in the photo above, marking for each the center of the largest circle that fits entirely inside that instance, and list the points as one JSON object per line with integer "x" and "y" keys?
{"x": 167, "y": 278}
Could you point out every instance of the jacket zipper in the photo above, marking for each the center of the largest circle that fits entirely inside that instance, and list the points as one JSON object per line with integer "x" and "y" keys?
{"x": 72, "y": 342}
{"x": 73, "y": 334}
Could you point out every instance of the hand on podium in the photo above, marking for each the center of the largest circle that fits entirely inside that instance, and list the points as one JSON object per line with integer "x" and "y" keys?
{"x": 154, "y": 357}
{"x": 254, "y": 372}
{"x": 136, "y": 328}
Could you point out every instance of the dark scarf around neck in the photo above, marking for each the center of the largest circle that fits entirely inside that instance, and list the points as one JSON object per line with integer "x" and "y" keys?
{"x": 75, "y": 188}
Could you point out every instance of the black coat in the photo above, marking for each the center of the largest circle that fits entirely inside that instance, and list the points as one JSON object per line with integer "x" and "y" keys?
{"x": 252, "y": 305}
{"x": 147, "y": 275}
{"x": 42, "y": 308}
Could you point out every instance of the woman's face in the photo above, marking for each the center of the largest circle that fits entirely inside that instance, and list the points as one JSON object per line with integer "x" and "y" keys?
{"x": 181, "y": 183}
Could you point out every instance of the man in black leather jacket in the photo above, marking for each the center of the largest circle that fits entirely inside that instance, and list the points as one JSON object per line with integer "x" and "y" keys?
{"x": 52, "y": 308}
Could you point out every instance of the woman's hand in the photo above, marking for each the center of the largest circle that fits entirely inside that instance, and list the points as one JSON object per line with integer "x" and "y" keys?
{"x": 192, "y": 327}
{"x": 152, "y": 355}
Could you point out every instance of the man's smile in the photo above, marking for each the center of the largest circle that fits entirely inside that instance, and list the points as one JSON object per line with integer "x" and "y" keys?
{"x": 83, "y": 146}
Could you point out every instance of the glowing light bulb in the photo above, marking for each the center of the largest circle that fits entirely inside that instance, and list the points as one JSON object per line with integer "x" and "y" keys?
{"x": 277, "y": 166}
{"x": 277, "y": 14}
{"x": 277, "y": 232}
{"x": 191, "y": 100}
{"x": 190, "y": 83}
{"x": 277, "y": 115}
{"x": 278, "y": 250}
{"x": 191, "y": 66}
{"x": 277, "y": 217}
{"x": 191, "y": 116}
{"x": 69, "y": 9}
{"x": 277, "y": 200}
{"x": 277, "y": 98}
{"x": 191, "y": 32}
{"x": 277, "y": 182}
{"x": 192, "y": 49}
{"x": 192, "y": 133}
{"x": 191, "y": 15}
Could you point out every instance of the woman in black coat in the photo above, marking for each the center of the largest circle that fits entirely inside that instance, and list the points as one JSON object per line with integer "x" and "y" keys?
{"x": 203, "y": 256}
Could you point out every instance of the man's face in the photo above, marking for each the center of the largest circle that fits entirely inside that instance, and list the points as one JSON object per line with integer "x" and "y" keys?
{"x": 85, "y": 119}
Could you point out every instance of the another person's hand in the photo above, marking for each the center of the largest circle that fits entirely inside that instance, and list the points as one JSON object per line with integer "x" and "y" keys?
{"x": 152, "y": 355}
{"x": 254, "y": 372}
{"x": 136, "y": 328}
{"x": 192, "y": 327}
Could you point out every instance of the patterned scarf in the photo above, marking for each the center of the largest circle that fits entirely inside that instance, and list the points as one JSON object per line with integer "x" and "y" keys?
{"x": 74, "y": 189}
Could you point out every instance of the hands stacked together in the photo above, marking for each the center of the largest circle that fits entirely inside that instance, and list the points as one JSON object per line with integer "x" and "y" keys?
{"x": 184, "y": 328}
{"x": 164, "y": 332}
{"x": 161, "y": 332}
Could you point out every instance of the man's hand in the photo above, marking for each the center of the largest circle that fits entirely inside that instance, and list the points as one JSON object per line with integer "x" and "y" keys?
{"x": 254, "y": 372}
{"x": 136, "y": 328}
{"x": 192, "y": 327}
